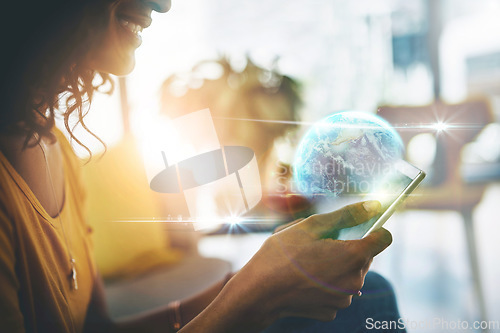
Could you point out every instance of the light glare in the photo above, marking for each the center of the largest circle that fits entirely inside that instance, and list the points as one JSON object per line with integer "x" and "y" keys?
{"x": 233, "y": 220}
{"x": 440, "y": 126}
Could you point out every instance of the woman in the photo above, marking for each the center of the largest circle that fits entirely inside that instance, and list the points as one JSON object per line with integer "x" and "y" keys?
{"x": 48, "y": 282}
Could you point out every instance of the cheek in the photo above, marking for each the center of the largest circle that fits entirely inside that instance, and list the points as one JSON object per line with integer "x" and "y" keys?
{"x": 113, "y": 54}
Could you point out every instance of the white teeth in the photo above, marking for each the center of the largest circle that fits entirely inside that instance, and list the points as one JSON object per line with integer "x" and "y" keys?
{"x": 134, "y": 28}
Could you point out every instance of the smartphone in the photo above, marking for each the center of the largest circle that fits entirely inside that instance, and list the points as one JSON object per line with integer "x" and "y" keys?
{"x": 394, "y": 187}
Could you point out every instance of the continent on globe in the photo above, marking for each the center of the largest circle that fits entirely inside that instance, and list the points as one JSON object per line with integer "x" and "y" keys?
{"x": 346, "y": 153}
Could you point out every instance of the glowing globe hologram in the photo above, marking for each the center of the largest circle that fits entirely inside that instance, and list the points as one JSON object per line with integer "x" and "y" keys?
{"x": 345, "y": 153}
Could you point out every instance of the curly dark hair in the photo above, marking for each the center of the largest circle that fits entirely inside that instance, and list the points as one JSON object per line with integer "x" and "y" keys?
{"x": 43, "y": 64}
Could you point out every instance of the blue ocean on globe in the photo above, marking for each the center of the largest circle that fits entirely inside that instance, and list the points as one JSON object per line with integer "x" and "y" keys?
{"x": 345, "y": 153}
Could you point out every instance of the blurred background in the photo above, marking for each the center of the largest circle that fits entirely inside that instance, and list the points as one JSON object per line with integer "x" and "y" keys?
{"x": 431, "y": 68}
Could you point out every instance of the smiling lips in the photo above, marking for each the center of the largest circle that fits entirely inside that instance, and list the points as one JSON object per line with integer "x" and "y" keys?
{"x": 135, "y": 23}
{"x": 132, "y": 27}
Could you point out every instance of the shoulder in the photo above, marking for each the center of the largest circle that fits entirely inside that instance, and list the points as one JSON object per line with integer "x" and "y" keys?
{"x": 67, "y": 151}
{"x": 72, "y": 163}
{"x": 9, "y": 199}
{"x": 10, "y": 190}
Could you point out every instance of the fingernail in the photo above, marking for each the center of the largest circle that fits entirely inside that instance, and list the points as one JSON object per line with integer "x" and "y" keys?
{"x": 372, "y": 206}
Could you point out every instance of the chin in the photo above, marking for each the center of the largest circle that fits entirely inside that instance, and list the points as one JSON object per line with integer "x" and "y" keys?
{"x": 118, "y": 66}
{"x": 124, "y": 69}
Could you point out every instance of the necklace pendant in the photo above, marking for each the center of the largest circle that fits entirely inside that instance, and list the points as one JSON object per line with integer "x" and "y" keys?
{"x": 74, "y": 281}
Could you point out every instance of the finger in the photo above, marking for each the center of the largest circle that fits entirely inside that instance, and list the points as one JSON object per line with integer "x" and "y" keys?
{"x": 348, "y": 216}
{"x": 374, "y": 243}
{"x": 284, "y": 226}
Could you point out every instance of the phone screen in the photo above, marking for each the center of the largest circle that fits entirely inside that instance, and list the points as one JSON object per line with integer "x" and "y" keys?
{"x": 391, "y": 191}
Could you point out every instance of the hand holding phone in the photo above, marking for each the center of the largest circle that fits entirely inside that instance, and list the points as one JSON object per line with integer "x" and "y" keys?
{"x": 391, "y": 191}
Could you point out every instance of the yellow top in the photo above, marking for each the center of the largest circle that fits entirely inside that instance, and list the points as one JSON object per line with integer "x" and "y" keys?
{"x": 36, "y": 294}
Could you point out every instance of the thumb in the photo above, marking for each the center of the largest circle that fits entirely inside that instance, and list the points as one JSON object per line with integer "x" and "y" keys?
{"x": 346, "y": 217}
{"x": 375, "y": 242}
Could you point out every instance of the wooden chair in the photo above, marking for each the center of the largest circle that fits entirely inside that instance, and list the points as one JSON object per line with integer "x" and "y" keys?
{"x": 453, "y": 126}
